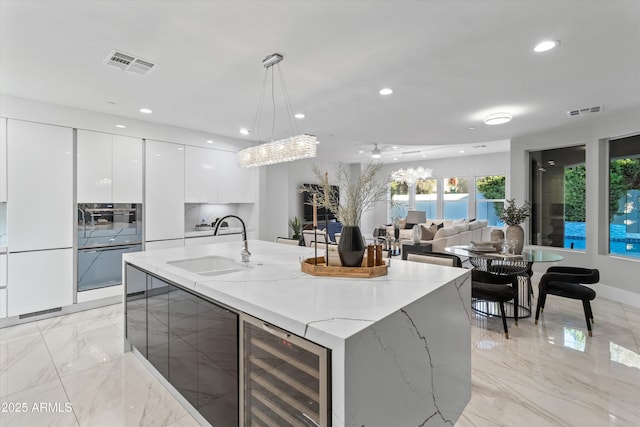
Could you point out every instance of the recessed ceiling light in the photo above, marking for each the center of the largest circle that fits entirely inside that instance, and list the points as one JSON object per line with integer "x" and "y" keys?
{"x": 472, "y": 128}
{"x": 360, "y": 151}
{"x": 546, "y": 45}
{"x": 299, "y": 116}
{"x": 121, "y": 126}
{"x": 209, "y": 141}
{"x": 395, "y": 158}
{"x": 244, "y": 131}
{"x": 424, "y": 155}
{"x": 461, "y": 151}
{"x": 146, "y": 111}
{"x": 386, "y": 91}
{"x": 395, "y": 147}
{"x": 497, "y": 119}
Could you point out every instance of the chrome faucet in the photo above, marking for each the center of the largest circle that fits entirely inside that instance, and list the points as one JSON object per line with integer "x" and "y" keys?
{"x": 244, "y": 253}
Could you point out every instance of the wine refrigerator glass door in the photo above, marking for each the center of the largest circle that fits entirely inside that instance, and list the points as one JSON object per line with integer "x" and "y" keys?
{"x": 285, "y": 378}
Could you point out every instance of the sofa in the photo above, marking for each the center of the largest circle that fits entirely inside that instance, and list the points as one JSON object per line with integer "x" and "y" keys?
{"x": 450, "y": 233}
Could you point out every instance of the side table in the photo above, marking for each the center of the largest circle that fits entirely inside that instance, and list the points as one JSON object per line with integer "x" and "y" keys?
{"x": 413, "y": 248}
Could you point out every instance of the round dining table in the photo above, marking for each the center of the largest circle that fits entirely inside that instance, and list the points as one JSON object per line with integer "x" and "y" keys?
{"x": 496, "y": 262}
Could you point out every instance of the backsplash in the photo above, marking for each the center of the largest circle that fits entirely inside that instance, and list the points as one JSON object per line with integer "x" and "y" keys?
{"x": 197, "y": 213}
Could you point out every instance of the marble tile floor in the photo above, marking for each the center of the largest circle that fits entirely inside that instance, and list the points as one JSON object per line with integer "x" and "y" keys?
{"x": 71, "y": 371}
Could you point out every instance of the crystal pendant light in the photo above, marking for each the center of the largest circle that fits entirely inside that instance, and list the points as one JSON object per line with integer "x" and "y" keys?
{"x": 284, "y": 150}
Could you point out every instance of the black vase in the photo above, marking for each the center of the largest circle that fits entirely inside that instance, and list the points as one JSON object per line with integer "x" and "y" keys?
{"x": 351, "y": 247}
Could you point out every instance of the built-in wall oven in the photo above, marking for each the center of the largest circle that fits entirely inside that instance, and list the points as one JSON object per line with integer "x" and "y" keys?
{"x": 105, "y": 233}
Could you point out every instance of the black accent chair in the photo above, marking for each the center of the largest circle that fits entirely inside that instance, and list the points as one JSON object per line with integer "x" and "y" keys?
{"x": 498, "y": 288}
{"x": 567, "y": 282}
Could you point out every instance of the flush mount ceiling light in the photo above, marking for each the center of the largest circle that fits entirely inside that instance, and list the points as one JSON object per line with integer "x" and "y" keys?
{"x": 411, "y": 175}
{"x": 146, "y": 111}
{"x": 120, "y": 126}
{"x": 245, "y": 131}
{"x": 299, "y": 116}
{"x": 546, "y": 45}
{"x": 497, "y": 119}
{"x": 386, "y": 91}
{"x": 209, "y": 141}
{"x": 375, "y": 154}
{"x": 284, "y": 150}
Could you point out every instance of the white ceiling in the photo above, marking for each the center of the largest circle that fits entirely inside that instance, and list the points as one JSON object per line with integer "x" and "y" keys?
{"x": 450, "y": 63}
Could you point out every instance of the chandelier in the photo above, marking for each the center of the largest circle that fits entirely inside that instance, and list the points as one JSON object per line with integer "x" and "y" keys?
{"x": 284, "y": 150}
{"x": 411, "y": 175}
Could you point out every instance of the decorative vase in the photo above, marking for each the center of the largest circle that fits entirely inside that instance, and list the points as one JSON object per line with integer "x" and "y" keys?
{"x": 351, "y": 247}
{"x": 515, "y": 234}
{"x": 416, "y": 234}
{"x": 396, "y": 233}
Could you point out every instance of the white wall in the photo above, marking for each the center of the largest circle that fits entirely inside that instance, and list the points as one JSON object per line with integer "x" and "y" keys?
{"x": 283, "y": 201}
{"x": 619, "y": 275}
{"x": 462, "y": 166}
{"x": 282, "y": 198}
{"x": 24, "y": 109}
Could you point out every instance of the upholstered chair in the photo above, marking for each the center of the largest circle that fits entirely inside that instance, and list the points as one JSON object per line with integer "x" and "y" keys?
{"x": 569, "y": 282}
{"x": 498, "y": 288}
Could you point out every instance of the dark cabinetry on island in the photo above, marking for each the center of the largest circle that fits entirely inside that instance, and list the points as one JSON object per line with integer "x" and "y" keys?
{"x": 191, "y": 341}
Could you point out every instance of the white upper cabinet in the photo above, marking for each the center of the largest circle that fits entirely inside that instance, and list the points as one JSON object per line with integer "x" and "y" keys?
{"x": 164, "y": 191}
{"x": 109, "y": 168}
{"x": 201, "y": 175}
{"x": 94, "y": 167}
{"x": 235, "y": 184}
{"x": 3, "y": 159}
{"x": 39, "y": 186}
{"x": 127, "y": 169}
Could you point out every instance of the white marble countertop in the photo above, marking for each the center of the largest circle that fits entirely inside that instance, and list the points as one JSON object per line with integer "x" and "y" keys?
{"x": 272, "y": 288}
{"x": 209, "y": 232}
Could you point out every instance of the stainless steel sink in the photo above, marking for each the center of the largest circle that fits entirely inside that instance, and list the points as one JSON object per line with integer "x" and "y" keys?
{"x": 213, "y": 265}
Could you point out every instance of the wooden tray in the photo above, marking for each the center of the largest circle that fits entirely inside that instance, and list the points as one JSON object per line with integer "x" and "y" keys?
{"x": 338, "y": 271}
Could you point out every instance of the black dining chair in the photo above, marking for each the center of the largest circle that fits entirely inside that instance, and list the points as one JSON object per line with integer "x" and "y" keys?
{"x": 569, "y": 282}
{"x": 498, "y": 288}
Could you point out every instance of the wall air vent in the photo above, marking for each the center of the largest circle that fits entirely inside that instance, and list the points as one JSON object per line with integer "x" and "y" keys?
{"x": 585, "y": 111}
{"x": 127, "y": 62}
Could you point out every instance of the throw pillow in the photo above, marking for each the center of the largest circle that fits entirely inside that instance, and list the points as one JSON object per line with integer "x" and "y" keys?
{"x": 434, "y": 229}
{"x": 408, "y": 226}
{"x": 438, "y": 226}
{"x": 427, "y": 233}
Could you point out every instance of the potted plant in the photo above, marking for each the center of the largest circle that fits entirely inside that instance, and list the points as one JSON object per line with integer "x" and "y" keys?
{"x": 296, "y": 226}
{"x": 513, "y": 216}
{"x": 357, "y": 195}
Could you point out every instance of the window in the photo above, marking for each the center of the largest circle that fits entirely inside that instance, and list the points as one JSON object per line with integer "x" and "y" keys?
{"x": 624, "y": 196}
{"x": 400, "y": 197}
{"x": 456, "y": 197}
{"x": 490, "y": 193}
{"x": 558, "y": 192}
{"x": 427, "y": 197}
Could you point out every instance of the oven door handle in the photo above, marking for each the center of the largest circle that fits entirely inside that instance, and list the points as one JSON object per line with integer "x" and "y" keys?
{"x": 109, "y": 248}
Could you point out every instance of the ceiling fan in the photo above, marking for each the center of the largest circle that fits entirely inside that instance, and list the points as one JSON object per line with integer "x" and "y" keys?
{"x": 377, "y": 152}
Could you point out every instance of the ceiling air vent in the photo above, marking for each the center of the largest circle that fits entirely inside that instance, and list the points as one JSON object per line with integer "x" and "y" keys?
{"x": 585, "y": 111}
{"x": 127, "y": 62}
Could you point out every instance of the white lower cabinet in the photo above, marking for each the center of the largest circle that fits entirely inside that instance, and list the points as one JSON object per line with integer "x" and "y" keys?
{"x": 3, "y": 283}
{"x": 39, "y": 280}
{"x": 3, "y": 270}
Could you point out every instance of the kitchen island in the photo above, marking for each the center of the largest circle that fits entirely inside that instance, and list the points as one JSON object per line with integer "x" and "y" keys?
{"x": 399, "y": 345}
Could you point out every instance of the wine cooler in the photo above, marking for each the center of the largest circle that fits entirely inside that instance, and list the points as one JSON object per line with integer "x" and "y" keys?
{"x": 285, "y": 378}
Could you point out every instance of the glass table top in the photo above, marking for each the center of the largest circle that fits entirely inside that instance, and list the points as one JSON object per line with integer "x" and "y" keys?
{"x": 528, "y": 255}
